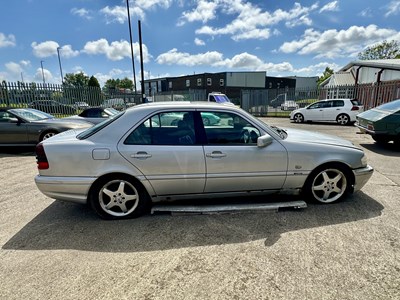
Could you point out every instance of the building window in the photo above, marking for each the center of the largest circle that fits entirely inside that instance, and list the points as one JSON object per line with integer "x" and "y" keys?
{"x": 187, "y": 82}
{"x": 209, "y": 82}
{"x": 170, "y": 85}
{"x": 270, "y": 85}
{"x": 221, "y": 82}
{"x": 198, "y": 81}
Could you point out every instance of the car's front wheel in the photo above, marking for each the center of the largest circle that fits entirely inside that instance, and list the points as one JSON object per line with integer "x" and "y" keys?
{"x": 328, "y": 184}
{"x": 298, "y": 118}
{"x": 118, "y": 197}
{"x": 343, "y": 119}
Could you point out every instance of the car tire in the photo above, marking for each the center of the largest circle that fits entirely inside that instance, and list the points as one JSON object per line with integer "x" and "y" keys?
{"x": 119, "y": 197}
{"x": 298, "y": 118}
{"x": 381, "y": 139}
{"x": 328, "y": 184}
{"x": 343, "y": 119}
{"x": 47, "y": 134}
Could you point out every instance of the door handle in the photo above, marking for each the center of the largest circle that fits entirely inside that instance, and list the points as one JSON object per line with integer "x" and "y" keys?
{"x": 141, "y": 155}
{"x": 216, "y": 154}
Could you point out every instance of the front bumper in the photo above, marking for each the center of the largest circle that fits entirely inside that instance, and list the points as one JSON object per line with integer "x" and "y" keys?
{"x": 361, "y": 176}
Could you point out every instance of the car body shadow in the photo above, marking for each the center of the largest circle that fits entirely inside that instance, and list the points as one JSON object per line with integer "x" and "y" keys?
{"x": 388, "y": 149}
{"x": 70, "y": 226}
{"x": 17, "y": 151}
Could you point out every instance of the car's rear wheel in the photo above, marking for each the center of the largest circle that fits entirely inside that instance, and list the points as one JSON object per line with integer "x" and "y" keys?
{"x": 328, "y": 184}
{"x": 343, "y": 119}
{"x": 298, "y": 118}
{"x": 47, "y": 135}
{"x": 119, "y": 197}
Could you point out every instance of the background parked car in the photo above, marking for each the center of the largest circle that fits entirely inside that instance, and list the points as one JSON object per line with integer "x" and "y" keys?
{"x": 342, "y": 111}
{"x": 52, "y": 107}
{"x": 382, "y": 122}
{"x": 123, "y": 164}
{"x": 94, "y": 115}
{"x": 289, "y": 105}
{"x": 28, "y": 126}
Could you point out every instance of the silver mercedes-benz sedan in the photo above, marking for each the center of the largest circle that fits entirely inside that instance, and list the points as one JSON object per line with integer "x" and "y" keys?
{"x": 123, "y": 165}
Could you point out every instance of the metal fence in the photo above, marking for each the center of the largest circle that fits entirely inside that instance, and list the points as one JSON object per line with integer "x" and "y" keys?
{"x": 68, "y": 100}
{"x": 262, "y": 102}
{"x": 279, "y": 102}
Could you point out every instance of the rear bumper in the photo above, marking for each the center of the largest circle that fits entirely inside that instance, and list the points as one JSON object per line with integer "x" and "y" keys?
{"x": 361, "y": 176}
{"x": 73, "y": 189}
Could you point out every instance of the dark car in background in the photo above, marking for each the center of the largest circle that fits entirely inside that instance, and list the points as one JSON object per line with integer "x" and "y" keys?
{"x": 28, "y": 126}
{"x": 52, "y": 107}
{"x": 382, "y": 122}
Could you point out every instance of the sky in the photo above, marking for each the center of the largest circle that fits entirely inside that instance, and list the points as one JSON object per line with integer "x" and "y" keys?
{"x": 280, "y": 37}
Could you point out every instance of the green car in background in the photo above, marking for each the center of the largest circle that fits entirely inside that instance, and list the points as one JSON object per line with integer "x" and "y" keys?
{"x": 381, "y": 122}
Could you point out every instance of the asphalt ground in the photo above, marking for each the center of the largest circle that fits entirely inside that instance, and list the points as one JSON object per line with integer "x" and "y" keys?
{"x": 348, "y": 250}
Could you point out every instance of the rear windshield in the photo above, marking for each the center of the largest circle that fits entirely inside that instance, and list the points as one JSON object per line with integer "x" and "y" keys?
{"x": 96, "y": 128}
{"x": 392, "y": 106}
{"x": 356, "y": 102}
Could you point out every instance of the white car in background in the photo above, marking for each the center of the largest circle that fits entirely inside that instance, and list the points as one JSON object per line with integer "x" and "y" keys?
{"x": 342, "y": 111}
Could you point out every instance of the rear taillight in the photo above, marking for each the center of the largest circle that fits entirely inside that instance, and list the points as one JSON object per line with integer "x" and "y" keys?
{"x": 355, "y": 108}
{"x": 41, "y": 158}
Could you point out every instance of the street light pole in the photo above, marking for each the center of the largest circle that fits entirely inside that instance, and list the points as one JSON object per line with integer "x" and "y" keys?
{"x": 59, "y": 62}
{"x": 41, "y": 63}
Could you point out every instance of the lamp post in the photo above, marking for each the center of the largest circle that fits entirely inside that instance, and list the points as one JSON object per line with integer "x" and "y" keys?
{"x": 59, "y": 62}
{"x": 41, "y": 63}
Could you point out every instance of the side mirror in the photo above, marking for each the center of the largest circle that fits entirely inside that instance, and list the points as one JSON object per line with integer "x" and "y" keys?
{"x": 13, "y": 120}
{"x": 264, "y": 141}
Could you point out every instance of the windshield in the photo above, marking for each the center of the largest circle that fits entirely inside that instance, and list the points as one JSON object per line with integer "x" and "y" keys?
{"x": 111, "y": 111}
{"x": 92, "y": 130}
{"x": 391, "y": 106}
{"x": 221, "y": 99}
{"x": 31, "y": 114}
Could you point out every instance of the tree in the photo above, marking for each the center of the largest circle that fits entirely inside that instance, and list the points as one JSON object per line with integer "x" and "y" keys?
{"x": 93, "y": 82}
{"x": 383, "y": 50}
{"x": 76, "y": 80}
{"x": 327, "y": 73}
{"x": 125, "y": 83}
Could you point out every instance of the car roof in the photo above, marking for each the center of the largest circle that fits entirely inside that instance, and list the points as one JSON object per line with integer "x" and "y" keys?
{"x": 183, "y": 105}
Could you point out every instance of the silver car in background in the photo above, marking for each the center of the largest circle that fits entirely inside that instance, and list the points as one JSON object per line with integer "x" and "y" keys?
{"x": 122, "y": 165}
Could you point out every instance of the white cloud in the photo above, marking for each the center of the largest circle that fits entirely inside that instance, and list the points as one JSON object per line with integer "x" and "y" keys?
{"x": 365, "y": 12}
{"x": 81, "y": 12}
{"x": 115, "y": 14}
{"x": 199, "y": 42}
{"x": 49, "y": 48}
{"x": 204, "y": 12}
{"x": 67, "y": 51}
{"x": 38, "y": 77}
{"x": 333, "y": 43}
{"x": 44, "y": 49}
{"x": 7, "y": 41}
{"x": 331, "y": 6}
{"x": 117, "y": 50}
{"x": 137, "y": 9}
{"x": 242, "y": 61}
{"x": 253, "y": 23}
{"x": 173, "y": 57}
{"x": 393, "y": 8}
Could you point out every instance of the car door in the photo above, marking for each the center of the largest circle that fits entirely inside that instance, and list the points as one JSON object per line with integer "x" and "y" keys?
{"x": 315, "y": 112}
{"x": 168, "y": 155}
{"x": 234, "y": 162}
{"x": 12, "y": 130}
{"x": 333, "y": 109}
